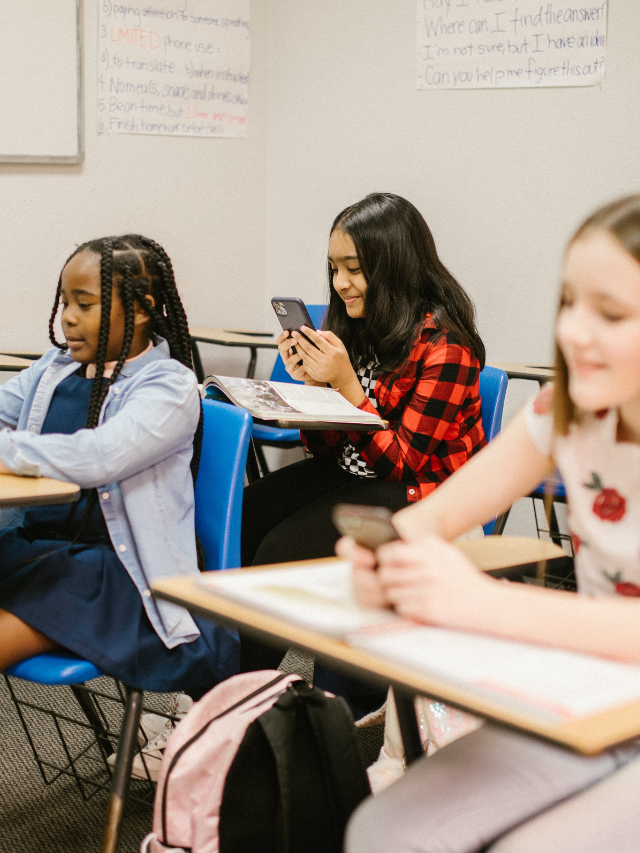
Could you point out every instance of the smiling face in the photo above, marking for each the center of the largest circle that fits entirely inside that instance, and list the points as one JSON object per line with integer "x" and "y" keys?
{"x": 347, "y": 278}
{"x": 80, "y": 296}
{"x": 598, "y": 326}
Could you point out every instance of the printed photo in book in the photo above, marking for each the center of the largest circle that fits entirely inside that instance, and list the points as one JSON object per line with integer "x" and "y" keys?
{"x": 284, "y": 400}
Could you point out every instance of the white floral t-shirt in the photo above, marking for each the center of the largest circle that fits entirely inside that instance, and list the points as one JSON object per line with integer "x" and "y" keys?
{"x": 602, "y": 479}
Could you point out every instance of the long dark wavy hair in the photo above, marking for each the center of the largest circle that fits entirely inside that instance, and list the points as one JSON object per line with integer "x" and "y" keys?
{"x": 136, "y": 267}
{"x": 405, "y": 280}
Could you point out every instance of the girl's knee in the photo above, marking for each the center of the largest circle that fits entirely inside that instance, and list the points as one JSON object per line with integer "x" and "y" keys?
{"x": 366, "y": 831}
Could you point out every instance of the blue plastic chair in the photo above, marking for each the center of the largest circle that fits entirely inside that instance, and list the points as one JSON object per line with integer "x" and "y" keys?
{"x": 218, "y": 498}
{"x": 273, "y": 436}
{"x": 493, "y": 389}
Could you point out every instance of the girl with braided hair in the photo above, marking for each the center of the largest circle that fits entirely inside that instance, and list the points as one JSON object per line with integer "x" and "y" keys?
{"x": 115, "y": 409}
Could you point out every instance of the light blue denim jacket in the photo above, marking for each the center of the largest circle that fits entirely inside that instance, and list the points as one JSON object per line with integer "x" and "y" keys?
{"x": 138, "y": 458}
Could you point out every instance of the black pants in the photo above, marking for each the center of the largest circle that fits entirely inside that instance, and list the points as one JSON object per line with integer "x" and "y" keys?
{"x": 287, "y": 516}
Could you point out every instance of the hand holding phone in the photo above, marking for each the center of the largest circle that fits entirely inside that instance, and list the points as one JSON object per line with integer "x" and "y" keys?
{"x": 292, "y": 314}
{"x": 370, "y": 526}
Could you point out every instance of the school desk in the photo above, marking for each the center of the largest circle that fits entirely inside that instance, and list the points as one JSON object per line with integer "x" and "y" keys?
{"x": 541, "y": 373}
{"x": 230, "y": 338}
{"x": 588, "y": 735}
{"x": 35, "y": 491}
{"x": 30, "y": 355}
{"x": 13, "y": 363}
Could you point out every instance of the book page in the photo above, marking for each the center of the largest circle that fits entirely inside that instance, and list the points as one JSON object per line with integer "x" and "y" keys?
{"x": 257, "y": 395}
{"x": 546, "y": 684}
{"x": 551, "y": 684}
{"x": 322, "y": 402}
{"x": 321, "y": 597}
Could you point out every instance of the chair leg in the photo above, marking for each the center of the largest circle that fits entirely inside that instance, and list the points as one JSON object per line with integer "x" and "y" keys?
{"x": 122, "y": 771}
{"x": 253, "y": 469}
{"x": 552, "y": 519}
{"x": 89, "y": 710}
{"x": 501, "y": 521}
{"x": 197, "y": 361}
{"x": 262, "y": 462}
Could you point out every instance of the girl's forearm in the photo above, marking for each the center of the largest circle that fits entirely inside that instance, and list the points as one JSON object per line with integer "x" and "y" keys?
{"x": 607, "y": 627}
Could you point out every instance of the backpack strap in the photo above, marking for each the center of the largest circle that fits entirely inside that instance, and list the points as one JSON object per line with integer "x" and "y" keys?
{"x": 337, "y": 774}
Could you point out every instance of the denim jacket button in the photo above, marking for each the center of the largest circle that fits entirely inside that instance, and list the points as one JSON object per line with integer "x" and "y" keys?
{"x": 122, "y": 548}
{"x": 147, "y": 593}
{"x": 105, "y": 496}
{"x": 32, "y": 428}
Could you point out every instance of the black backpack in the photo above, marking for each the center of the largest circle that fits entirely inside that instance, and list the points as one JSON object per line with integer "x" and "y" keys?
{"x": 296, "y": 778}
{"x": 263, "y": 763}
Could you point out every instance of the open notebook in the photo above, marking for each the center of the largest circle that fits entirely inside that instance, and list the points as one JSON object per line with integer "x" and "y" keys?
{"x": 547, "y": 686}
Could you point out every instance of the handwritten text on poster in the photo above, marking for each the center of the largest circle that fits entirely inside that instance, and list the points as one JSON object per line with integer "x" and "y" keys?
{"x": 174, "y": 71}
{"x": 487, "y": 44}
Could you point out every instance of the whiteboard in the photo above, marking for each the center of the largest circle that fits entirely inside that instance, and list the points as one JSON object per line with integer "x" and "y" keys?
{"x": 41, "y": 81}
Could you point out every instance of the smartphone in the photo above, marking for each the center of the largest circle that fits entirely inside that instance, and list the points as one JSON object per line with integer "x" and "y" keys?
{"x": 370, "y": 526}
{"x": 292, "y": 314}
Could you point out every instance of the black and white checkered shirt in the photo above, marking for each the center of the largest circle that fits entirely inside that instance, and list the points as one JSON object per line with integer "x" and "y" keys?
{"x": 351, "y": 460}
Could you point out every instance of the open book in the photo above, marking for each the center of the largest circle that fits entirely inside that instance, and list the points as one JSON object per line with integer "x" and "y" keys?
{"x": 289, "y": 402}
{"x": 542, "y": 689}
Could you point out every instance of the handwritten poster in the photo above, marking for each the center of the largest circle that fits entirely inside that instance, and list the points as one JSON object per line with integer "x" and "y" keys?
{"x": 498, "y": 44}
{"x": 174, "y": 70}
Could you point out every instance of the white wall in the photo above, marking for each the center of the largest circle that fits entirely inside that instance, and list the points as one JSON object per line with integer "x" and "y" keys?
{"x": 502, "y": 177}
{"x": 203, "y": 199}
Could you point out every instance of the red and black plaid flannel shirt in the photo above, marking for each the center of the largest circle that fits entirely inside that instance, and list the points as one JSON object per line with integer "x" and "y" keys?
{"x": 435, "y": 420}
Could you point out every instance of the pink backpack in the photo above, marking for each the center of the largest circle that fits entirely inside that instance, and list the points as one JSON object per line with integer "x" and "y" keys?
{"x": 230, "y": 754}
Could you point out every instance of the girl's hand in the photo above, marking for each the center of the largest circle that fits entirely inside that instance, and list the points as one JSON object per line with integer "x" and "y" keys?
{"x": 328, "y": 361}
{"x": 292, "y": 361}
{"x": 432, "y": 582}
{"x": 366, "y": 582}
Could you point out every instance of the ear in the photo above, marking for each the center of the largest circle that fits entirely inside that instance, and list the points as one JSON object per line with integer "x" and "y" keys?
{"x": 140, "y": 316}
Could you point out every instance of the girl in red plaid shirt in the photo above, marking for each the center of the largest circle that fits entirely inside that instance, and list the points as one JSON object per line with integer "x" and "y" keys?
{"x": 400, "y": 339}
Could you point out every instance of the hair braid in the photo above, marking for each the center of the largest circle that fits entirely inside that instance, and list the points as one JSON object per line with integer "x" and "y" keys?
{"x": 52, "y": 318}
{"x": 106, "y": 286}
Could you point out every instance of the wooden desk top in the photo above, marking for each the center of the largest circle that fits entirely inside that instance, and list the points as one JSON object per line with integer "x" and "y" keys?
{"x": 516, "y": 370}
{"x": 233, "y": 337}
{"x": 589, "y": 735}
{"x": 35, "y": 491}
{"x": 30, "y": 355}
{"x": 12, "y": 362}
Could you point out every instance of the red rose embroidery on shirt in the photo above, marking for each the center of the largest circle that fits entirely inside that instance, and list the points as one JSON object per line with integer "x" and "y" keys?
{"x": 542, "y": 403}
{"x": 609, "y": 505}
{"x": 627, "y": 588}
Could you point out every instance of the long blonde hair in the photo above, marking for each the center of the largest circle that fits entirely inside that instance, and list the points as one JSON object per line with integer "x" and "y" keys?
{"x": 621, "y": 219}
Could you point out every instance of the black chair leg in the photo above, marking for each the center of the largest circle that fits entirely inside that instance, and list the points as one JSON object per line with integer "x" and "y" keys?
{"x": 262, "y": 462}
{"x": 253, "y": 469}
{"x": 122, "y": 771}
{"x": 408, "y": 724}
{"x": 89, "y": 710}
{"x": 501, "y": 521}
{"x": 197, "y": 361}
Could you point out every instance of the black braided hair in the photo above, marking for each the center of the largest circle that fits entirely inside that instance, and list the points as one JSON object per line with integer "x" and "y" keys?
{"x": 139, "y": 268}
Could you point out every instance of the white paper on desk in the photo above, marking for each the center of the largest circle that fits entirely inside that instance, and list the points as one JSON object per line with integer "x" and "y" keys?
{"x": 320, "y": 597}
{"x": 327, "y": 402}
{"x": 550, "y": 684}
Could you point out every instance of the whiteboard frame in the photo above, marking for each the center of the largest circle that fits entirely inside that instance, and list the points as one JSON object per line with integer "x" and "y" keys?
{"x": 69, "y": 159}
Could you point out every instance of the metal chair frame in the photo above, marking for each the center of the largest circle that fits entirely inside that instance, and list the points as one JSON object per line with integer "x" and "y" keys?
{"x": 223, "y": 545}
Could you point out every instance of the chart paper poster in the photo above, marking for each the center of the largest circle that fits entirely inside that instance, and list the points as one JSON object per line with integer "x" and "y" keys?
{"x": 174, "y": 70}
{"x": 508, "y": 44}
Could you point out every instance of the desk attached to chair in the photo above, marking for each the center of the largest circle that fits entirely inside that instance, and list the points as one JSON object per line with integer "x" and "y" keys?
{"x": 588, "y": 735}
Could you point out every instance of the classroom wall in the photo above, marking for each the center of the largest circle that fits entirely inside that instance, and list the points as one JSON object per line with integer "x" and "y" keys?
{"x": 203, "y": 199}
{"x": 502, "y": 176}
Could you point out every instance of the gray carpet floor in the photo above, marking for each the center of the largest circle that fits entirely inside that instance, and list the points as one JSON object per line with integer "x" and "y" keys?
{"x": 54, "y": 818}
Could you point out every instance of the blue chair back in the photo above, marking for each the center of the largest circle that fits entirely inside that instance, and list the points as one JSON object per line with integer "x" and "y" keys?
{"x": 493, "y": 388}
{"x": 279, "y": 374}
{"x": 220, "y": 484}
